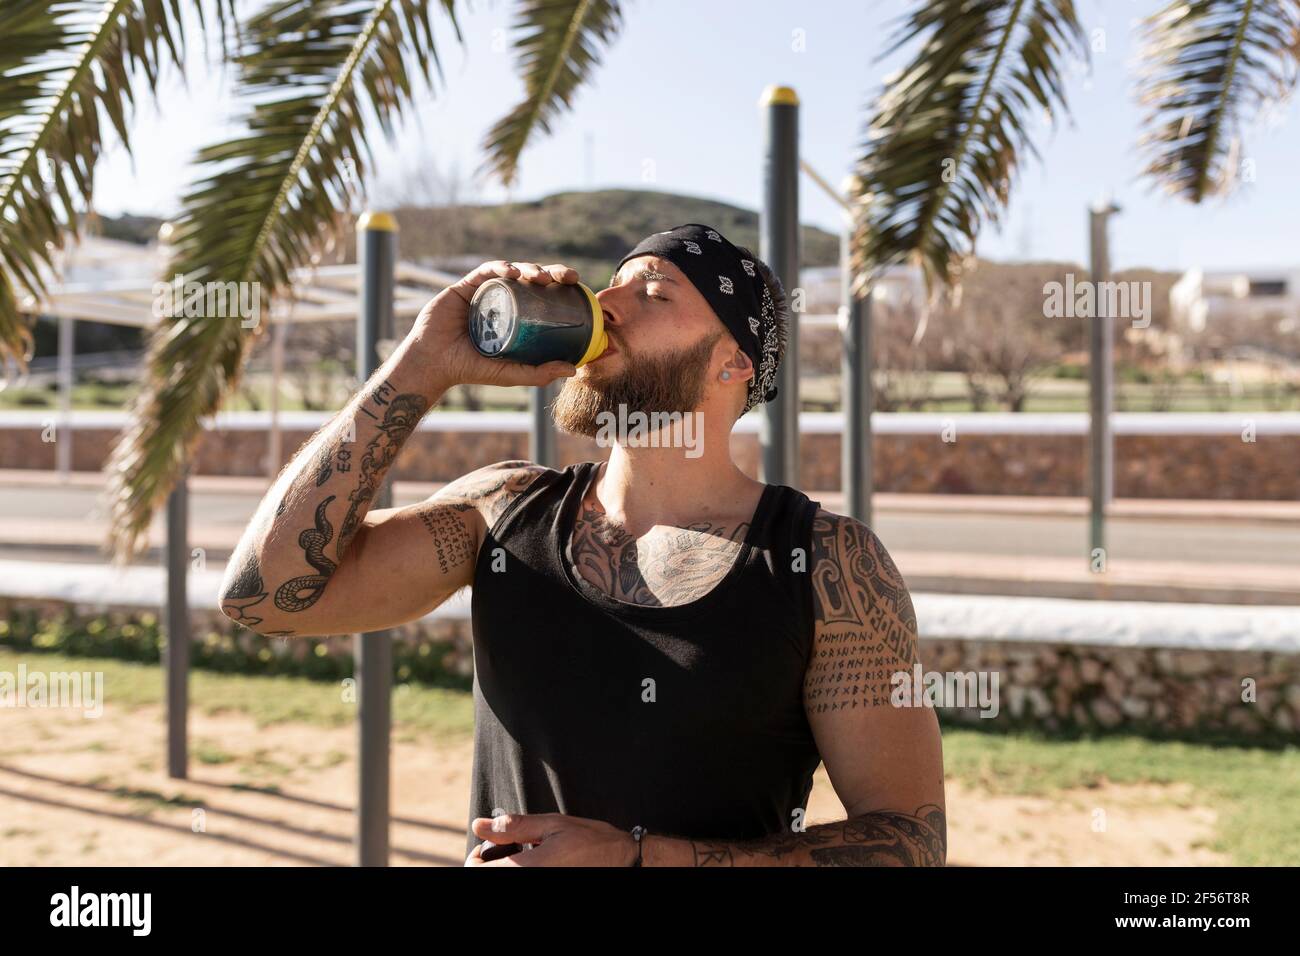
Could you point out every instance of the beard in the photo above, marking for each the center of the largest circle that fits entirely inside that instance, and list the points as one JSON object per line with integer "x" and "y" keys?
{"x": 672, "y": 382}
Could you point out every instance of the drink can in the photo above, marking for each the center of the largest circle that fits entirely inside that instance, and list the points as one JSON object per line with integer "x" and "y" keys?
{"x": 535, "y": 324}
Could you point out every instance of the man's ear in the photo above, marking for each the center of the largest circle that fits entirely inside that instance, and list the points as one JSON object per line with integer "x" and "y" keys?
{"x": 739, "y": 366}
{"x": 740, "y": 370}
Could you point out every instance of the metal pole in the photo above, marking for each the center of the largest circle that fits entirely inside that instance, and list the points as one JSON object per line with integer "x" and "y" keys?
{"x": 543, "y": 450}
{"x": 377, "y": 260}
{"x": 275, "y": 447}
{"x": 779, "y": 248}
{"x": 176, "y": 651}
{"x": 67, "y": 347}
{"x": 856, "y": 401}
{"x": 1101, "y": 351}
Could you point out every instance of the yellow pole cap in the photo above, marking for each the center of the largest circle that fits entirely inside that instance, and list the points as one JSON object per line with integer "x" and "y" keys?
{"x": 377, "y": 221}
{"x": 779, "y": 96}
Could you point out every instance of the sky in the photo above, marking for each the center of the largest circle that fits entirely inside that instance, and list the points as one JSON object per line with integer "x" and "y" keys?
{"x": 674, "y": 107}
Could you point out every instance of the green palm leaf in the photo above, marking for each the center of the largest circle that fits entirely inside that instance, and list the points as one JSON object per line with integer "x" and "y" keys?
{"x": 269, "y": 202}
{"x": 557, "y": 52}
{"x": 1209, "y": 64}
{"x": 948, "y": 132}
{"x": 65, "y": 68}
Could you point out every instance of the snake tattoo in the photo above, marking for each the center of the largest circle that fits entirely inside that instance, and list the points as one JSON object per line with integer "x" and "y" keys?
{"x": 302, "y": 592}
{"x": 246, "y": 591}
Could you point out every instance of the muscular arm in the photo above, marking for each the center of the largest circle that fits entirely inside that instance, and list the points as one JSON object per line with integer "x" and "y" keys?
{"x": 877, "y": 838}
{"x": 316, "y": 560}
{"x": 885, "y": 762}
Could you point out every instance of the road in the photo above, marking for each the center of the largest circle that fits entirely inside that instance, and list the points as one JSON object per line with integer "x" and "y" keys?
{"x": 30, "y": 507}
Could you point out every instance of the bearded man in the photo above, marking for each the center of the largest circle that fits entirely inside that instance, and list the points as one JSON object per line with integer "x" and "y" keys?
{"x": 665, "y": 649}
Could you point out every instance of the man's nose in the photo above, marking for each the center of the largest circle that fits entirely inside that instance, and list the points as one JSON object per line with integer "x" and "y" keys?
{"x": 609, "y": 303}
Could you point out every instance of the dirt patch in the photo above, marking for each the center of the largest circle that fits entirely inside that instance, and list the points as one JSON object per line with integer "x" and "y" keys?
{"x": 95, "y": 793}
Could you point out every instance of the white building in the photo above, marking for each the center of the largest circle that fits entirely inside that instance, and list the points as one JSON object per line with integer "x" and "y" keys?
{"x": 1249, "y": 307}
{"x": 897, "y": 285}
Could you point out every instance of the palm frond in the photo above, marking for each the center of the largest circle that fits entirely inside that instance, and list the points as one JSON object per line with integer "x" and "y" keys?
{"x": 270, "y": 201}
{"x": 1209, "y": 65}
{"x": 557, "y": 51}
{"x": 66, "y": 70}
{"x": 948, "y": 131}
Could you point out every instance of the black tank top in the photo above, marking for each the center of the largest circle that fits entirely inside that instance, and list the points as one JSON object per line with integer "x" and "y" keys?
{"x": 565, "y": 717}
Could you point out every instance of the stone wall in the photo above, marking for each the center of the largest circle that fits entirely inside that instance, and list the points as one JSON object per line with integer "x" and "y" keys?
{"x": 1248, "y": 695}
{"x": 1146, "y": 466}
{"x": 1157, "y": 690}
{"x": 1055, "y": 687}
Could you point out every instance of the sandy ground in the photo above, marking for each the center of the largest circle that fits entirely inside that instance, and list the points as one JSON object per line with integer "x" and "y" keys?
{"x": 95, "y": 792}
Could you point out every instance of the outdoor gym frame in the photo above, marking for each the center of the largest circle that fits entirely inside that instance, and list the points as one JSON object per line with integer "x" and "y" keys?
{"x": 778, "y": 434}
{"x": 779, "y": 437}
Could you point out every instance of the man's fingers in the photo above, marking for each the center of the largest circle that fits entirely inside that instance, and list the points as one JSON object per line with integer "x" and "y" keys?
{"x": 532, "y": 272}
{"x": 553, "y": 370}
{"x": 545, "y": 275}
{"x": 496, "y": 269}
{"x": 503, "y": 269}
{"x": 562, "y": 273}
{"x": 475, "y": 857}
{"x": 516, "y": 827}
{"x": 519, "y": 373}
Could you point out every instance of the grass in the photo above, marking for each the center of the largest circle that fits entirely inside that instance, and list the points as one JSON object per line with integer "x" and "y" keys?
{"x": 1255, "y": 791}
{"x": 268, "y": 700}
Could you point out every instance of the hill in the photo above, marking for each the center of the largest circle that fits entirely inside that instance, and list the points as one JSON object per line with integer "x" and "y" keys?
{"x": 589, "y": 230}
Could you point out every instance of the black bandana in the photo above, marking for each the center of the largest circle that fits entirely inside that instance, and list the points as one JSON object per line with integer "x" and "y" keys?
{"x": 734, "y": 289}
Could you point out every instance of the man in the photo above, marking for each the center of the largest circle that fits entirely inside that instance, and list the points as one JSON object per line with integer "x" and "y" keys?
{"x": 664, "y": 648}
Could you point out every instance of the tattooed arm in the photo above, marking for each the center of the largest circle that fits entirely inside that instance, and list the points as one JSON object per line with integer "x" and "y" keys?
{"x": 885, "y": 761}
{"x": 315, "y": 559}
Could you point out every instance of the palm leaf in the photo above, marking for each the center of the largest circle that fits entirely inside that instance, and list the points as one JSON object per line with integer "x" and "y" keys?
{"x": 557, "y": 52}
{"x": 948, "y": 131}
{"x": 66, "y": 70}
{"x": 1210, "y": 64}
{"x": 270, "y": 201}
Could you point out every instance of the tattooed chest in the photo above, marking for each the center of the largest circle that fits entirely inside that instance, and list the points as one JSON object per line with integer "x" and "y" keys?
{"x": 663, "y": 568}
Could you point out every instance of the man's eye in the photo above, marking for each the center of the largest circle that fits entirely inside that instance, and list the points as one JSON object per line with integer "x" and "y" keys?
{"x": 654, "y": 296}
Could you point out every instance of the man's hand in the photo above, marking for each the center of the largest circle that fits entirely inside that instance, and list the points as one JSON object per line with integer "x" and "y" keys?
{"x": 558, "y": 840}
{"x": 441, "y": 331}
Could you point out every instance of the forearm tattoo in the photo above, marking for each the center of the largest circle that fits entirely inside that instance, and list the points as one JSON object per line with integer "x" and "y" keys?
{"x": 878, "y": 838}
{"x": 302, "y": 592}
{"x": 244, "y": 592}
{"x": 401, "y": 415}
{"x": 866, "y": 627}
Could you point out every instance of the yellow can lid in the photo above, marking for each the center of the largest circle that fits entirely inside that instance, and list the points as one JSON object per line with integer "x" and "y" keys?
{"x": 599, "y": 340}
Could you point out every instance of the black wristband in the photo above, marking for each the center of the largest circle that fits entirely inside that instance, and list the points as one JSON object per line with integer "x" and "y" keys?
{"x": 638, "y": 832}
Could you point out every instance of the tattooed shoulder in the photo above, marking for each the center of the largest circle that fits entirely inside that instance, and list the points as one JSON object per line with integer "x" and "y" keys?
{"x": 865, "y": 624}
{"x": 490, "y": 489}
